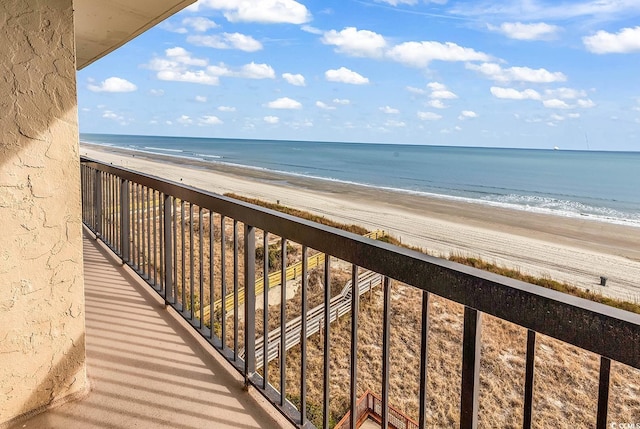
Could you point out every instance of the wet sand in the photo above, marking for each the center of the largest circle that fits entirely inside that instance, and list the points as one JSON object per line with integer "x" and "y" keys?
{"x": 577, "y": 251}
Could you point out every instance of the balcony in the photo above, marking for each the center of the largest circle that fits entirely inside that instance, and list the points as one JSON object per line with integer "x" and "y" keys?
{"x": 220, "y": 267}
{"x": 146, "y": 368}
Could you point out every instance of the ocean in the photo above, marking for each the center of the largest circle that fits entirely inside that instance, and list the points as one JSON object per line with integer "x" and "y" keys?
{"x": 602, "y": 186}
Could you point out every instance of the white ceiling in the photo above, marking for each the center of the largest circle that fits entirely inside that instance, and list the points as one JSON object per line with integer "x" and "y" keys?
{"x": 104, "y": 25}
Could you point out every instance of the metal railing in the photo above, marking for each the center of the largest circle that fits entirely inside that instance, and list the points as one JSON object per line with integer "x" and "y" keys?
{"x": 157, "y": 227}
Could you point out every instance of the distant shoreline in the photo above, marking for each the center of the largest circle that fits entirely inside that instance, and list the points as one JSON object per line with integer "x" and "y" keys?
{"x": 217, "y": 163}
{"x": 566, "y": 249}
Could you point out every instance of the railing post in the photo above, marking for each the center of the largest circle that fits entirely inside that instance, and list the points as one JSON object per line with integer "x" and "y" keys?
{"x": 603, "y": 393}
{"x": 168, "y": 249}
{"x": 98, "y": 203}
{"x": 471, "y": 344}
{"x": 249, "y": 303}
{"x": 124, "y": 220}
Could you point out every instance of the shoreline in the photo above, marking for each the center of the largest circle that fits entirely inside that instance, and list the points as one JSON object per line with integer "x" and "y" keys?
{"x": 568, "y": 249}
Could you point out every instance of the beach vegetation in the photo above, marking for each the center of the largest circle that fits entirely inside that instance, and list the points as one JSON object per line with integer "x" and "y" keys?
{"x": 461, "y": 259}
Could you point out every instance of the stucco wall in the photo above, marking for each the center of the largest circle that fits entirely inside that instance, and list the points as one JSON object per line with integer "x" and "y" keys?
{"x": 41, "y": 286}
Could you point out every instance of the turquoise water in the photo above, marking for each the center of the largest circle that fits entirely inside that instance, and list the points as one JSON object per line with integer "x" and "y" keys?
{"x": 603, "y": 186}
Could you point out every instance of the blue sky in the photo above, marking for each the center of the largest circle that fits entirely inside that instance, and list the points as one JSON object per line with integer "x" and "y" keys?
{"x": 527, "y": 73}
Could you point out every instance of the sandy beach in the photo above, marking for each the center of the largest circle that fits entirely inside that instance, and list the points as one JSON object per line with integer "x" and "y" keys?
{"x": 576, "y": 251}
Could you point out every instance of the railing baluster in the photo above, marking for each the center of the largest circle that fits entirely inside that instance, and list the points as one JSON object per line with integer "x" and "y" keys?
{"x": 149, "y": 260}
{"x": 125, "y": 213}
{"x": 386, "y": 327}
{"x": 470, "y": 368}
{"x": 327, "y": 329}
{"x": 98, "y": 205}
{"x": 223, "y": 269}
{"x": 143, "y": 252}
{"x": 211, "y": 274}
{"x": 183, "y": 261}
{"x": 174, "y": 223}
{"x": 160, "y": 221}
{"x": 355, "y": 295}
{"x": 201, "y": 259}
{"x": 603, "y": 393}
{"x": 138, "y": 226}
{"x": 283, "y": 317}
{"x": 424, "y": 360}
{"x": 235, "y": 290}
{"x": 529, "y": 379}
{"x": 303, "y": 340}
{"x": 249, "y": 302}
{"x": 156, "y": 202}
{"x": 265, "y": 311}
{"x": 169, "y": 202}
{"x": 191, "y": 264}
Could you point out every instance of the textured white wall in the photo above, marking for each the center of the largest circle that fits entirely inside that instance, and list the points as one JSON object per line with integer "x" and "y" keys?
{"x": 42, "y": 355}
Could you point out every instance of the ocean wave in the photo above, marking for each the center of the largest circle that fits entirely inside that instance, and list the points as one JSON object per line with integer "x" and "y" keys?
{"x": 163, "y": 149}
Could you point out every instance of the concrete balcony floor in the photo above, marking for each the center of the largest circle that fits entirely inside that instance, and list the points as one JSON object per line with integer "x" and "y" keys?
{"x": 145, "y": 368}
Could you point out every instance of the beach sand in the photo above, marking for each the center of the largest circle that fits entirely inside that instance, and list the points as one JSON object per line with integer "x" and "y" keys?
{"x": 572, "y": 250}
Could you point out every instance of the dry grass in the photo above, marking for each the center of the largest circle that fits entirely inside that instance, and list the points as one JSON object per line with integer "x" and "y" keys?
{"x": 566, "y": 377}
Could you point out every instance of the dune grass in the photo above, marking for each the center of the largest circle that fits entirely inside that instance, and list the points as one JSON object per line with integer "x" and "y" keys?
{"x": 465, "y": 260}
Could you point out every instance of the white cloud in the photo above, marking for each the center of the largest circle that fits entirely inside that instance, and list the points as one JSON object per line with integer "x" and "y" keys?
{"x": 443, "y": 95}
{"x": 357, "y": 43}
{"x": 429, "y": 116}
{"x": 520, "y": 31}
{"x": 586, "y": 103}
{"x": 420, "y": 54}
{"x": 184, "y": 120}
{"x": 324, "y": 106}
{"x": 345, "y": 75}
{"x": 311, "y": 29}
{"x": 565, "y": 93}
{"x": 257, "y": 71}
{"x": 394, "y": 123}
{"x": 437, "y": 104}
{"x": 199, "y": 23}
{"x": 555, "y": 103}
{"x": 624, "y": 41}
{"x": 271, "y": 119}
{"x": 238, "y": 41}
{"x": 416, "y": 90}
{"x": 573, "y": 115}
{"x": 201, "y": 99}
{"x": 284, "y": 103}
{"x": 294, "y": 79}
{"x": 263, "y": 11}
{"x": 210, "y": 120}
{"x": 389, "y": 110}
{"x": 514, "y": 94}
{"x": 156, "y": 92}
{"x": 198, "y": 76}
{"x": 534, "y": 10}
{"x": 519, "y": 74}
{"x": 342, "y": 101}
{"x": 397, "y": 2}
{"x": 556, "y": 117}
{"x": 113, "y": 84}
{"x": 438, "y": 93}
{"x": 109, "y": 114}
{"x": 467, "y": 114}
{"x": 183, "y": 56}
{"x": 226, "y": 109}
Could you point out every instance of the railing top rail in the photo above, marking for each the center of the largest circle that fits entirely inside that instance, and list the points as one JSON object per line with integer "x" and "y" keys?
{"x": 601, "y": 329}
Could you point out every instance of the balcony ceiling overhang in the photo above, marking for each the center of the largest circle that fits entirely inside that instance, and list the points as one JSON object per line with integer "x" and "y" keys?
{"x": 102, "y": 26}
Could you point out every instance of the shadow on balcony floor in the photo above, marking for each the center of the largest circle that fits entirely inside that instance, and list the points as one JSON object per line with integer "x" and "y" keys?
{"x": 146, "y": 370}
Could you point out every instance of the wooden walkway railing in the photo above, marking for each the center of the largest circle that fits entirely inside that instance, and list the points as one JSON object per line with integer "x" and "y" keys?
{"x": 370, "y": 406}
